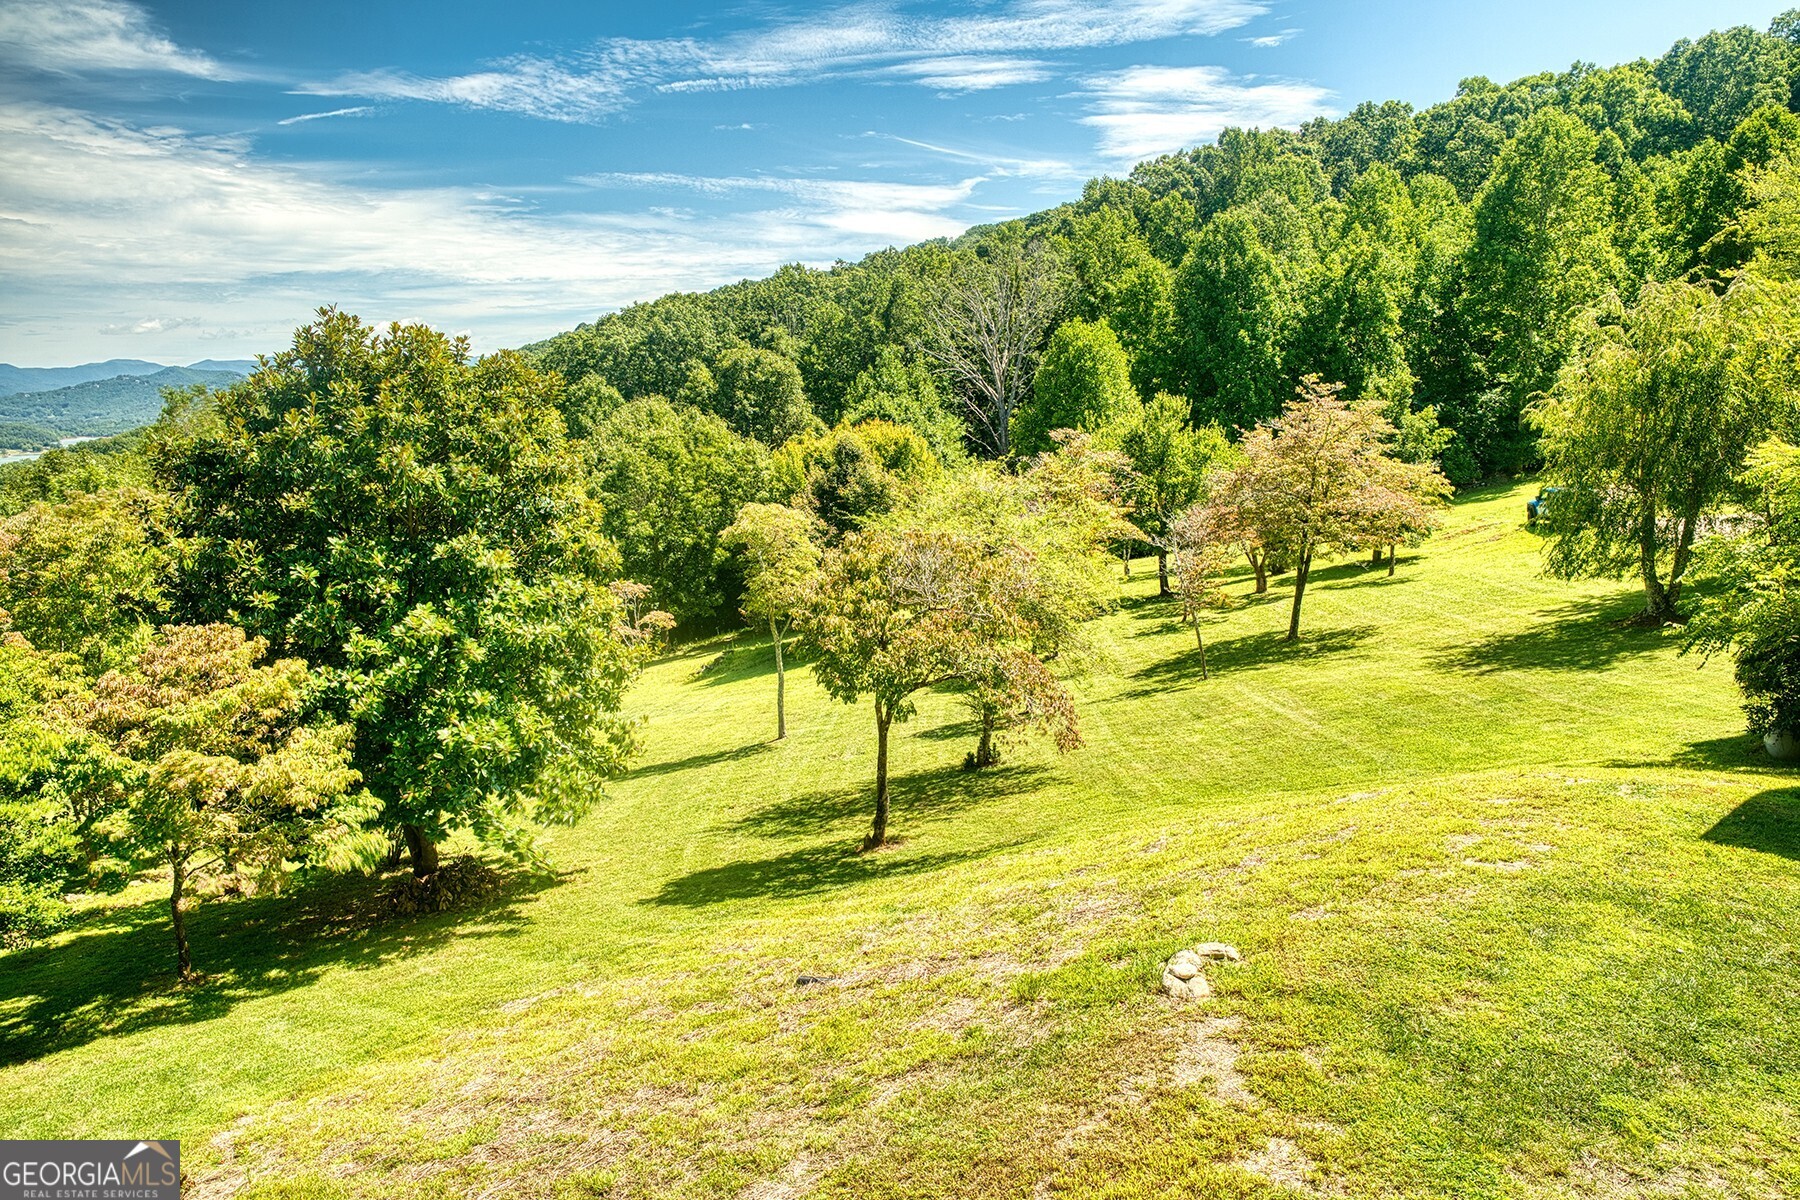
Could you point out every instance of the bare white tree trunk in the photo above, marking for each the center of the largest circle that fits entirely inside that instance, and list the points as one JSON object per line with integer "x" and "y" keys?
{"x": 985, "y": 327}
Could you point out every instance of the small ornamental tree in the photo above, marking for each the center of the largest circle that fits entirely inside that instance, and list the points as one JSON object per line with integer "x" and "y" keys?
{"x": 1400, "y": 504}
{"x": 780, "y": 557}
{"x": 898, "y": 611}
{"x": 1752, "y": 608}
{"x": 1201, "y": 545}
{"x": 1311, "y": 479}
{"x": 1052, "y": 523}
{"x": 1168, "y": 466}
{"x": 1652, "y": 419}
{"x": 219, "y": 761}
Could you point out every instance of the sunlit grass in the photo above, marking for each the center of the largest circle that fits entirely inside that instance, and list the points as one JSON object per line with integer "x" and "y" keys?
{"x": 1519, "y": 904}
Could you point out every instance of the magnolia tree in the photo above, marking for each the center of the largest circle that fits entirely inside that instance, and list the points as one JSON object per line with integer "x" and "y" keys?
{"x": 905, "y": 609}
{"x": 779, "y": 550}
{"x": 411, "y": 521}
{"x": 220, "y": 770}
{"x": 1319, "y": 478}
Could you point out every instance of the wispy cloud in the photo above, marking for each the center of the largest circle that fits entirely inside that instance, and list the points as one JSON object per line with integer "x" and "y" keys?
{"x": 997, "y": 164}
{"x": 93, "y": 36}
{"x": 358, "y": 111}
{"x": 226, "y": 240}
{"x": 1269, "y": 41}
{"x": 947, "y": 54}
{"x": 972, "y": 72}
{"x": 1144, "y": 111}
{"x": 144, "y": 325}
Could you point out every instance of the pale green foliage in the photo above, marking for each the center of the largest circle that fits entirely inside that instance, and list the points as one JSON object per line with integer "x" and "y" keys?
{"x": 778, "y": 550}
{"x": 1084, "y": 383}
{"x": 1752, "y": 606}
{"x": 86, "y": 577}
{"x": 217, "y": 758}
{"x": 1168, "y": 462}
{"x": 1650, "y": 422}
{"x": 903, "y": 392}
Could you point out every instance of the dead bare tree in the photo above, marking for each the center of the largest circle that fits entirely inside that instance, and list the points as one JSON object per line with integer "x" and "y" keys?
{"x": 985, "y": 325}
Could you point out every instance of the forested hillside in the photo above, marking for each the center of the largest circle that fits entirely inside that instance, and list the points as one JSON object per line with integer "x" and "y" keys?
{"x": 1439, "y": 259}
{"x": 97, "y": 407}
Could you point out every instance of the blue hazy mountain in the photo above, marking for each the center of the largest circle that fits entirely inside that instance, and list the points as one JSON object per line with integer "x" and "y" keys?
{"x": 114, "y": 404}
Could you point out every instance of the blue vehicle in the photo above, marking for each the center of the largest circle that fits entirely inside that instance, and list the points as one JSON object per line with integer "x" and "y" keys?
{"x": 1535, "y": 507}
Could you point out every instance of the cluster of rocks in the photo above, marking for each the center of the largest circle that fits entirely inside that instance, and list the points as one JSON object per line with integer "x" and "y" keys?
{"x": 1184, "y": 974}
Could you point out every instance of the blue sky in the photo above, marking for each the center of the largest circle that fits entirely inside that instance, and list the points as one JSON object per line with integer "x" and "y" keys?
{"x": 188, "y": 180}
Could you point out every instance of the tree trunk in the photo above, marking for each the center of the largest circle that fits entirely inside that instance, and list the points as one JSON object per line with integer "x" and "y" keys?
{"x": 1259, "y": 564}
{"x": 1393, "y": 551}
{"x": 184, "y": 960}
{"x": 985, "y": 755}
{"x": 1200, "y": 643}
{"x": 1375, "y": 560}
{"x": 780, "y": 685}
{"x": 1162, "y": 573}
{"x": 1125, "y": 554}
{"x": 424, "y": 851}
{"x": 1302, "y": 568}
{"x": 1658, "y": 607}
{"x": 878, "y": 834}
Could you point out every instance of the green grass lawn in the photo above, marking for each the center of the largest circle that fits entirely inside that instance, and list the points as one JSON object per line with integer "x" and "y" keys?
{"x": 1519, "y": 905}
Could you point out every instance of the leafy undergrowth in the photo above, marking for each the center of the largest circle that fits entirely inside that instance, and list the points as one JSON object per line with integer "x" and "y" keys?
{"x": 1519, "y": 906}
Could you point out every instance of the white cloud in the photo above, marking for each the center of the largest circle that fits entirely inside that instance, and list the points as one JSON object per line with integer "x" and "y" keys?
{"x": 947, "y": 54}
{"x": 229, "y": 242}
{"x": 1269, "y": 41}
{"x": 93, "y": 35}
{"x": 996, "y": 164}
{"x": 149, "y": 325}
{"x": 972, "y": 72}
{"x": 1145, "y": 111}
{"x": 358, "y": 111}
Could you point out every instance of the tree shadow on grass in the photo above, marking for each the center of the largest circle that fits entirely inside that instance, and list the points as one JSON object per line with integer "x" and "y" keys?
{"x": 1768, "y": 822}
{"x": 697, "y": 762}
{"x": 116, "y": 975}
{"x": 1585, "y": 635}
{"x": 934, "y": 793}
{"x": 799, "y": 873}
{"x": 1244, "y": 653}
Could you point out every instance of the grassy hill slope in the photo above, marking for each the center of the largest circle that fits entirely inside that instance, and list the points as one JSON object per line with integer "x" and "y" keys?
{"x": 1519, "y": 905}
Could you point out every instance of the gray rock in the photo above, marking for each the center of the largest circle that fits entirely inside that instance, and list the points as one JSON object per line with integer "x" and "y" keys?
{"x": 1183, "y": 968}
{"x": 1218, "y": 950}
{"x": 1195, "y": 988}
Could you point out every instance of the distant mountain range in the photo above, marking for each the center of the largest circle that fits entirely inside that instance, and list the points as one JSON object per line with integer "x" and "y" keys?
{"x": 95, "y": 399}
{"x": 14, "y": 380}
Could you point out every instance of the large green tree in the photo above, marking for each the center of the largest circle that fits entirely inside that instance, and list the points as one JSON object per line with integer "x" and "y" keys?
{"x": 1542, "y": 252}
{"x": 1652, "y": 420}
{"x": 1231, "y": 302}
{"x": 410, "y": 520}
{"x": 760, "y": 394}
{"x": 669, "y": 478}
{"x": 1084, "y": 382}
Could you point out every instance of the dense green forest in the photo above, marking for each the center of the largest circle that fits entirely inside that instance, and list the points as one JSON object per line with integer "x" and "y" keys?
{"x": 1440, "y": 260}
